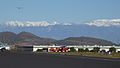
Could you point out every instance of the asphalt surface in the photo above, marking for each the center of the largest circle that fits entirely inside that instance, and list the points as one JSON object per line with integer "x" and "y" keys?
{"x": 33, "y": 60}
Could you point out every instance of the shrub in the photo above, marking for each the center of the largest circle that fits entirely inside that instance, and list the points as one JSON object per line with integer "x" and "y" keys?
{"x": 39, "y": 50}
{"x": 86, "y": 50}
{"x": 72, "y": 49}
{"x": 103, "y": 51}
{"x": 96, "y": 49}
{"x": 80, "y": 50}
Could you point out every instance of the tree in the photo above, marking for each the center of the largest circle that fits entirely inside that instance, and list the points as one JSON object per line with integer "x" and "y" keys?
{"x": 112, "y": 49}
{"x": 86, "y": 50}
{"x": 81, "y": 50}
{"x": 96, "y": 49}
{"x": 72, "y": 49}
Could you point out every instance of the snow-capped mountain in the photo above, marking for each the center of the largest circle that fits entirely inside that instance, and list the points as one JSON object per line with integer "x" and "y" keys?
{"x": 105, "y": 22}
{"x": 98, "y": 23}
{"x": 29, "y": 23}
{"x": 108, "y": 29}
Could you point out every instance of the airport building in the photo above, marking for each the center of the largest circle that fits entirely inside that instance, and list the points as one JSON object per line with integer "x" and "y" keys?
{"x": 51, "y": 48}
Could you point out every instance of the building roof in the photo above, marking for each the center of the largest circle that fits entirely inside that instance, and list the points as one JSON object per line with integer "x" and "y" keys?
{"x": 31, "y": 45}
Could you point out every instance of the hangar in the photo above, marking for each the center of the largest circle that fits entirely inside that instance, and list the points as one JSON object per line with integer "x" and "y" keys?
{"x": 51, "y": 48}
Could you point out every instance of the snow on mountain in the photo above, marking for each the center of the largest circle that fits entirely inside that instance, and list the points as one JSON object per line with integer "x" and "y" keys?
{"x": 29, "y": 23}
{"x": 98, "y": 23}
{"x": 105, "y": 22}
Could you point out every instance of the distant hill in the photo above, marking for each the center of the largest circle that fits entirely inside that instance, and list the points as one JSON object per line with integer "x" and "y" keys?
{"x": 84, "y": 41}
{"x": 28, "y": 38}
{"x": 23, "y": 38}
{"x": 9, "y": 38}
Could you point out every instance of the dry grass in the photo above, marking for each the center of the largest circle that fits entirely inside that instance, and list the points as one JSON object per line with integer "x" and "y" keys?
{"x": 104, "y": 55}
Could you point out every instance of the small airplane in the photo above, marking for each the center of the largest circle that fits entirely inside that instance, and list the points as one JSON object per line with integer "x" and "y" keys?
{"x": 60, "y": 49}
{"x": 19, "y": 8}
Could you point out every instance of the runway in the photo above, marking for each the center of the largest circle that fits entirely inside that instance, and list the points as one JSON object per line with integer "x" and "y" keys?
{"x": 33, "y": 60}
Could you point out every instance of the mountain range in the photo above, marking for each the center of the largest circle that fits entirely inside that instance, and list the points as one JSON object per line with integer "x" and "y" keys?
{"x": 108, "y": 29}
{"x": 27, "y": 38}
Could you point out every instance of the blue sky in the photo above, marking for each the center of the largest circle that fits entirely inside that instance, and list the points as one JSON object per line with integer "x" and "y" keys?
{"x": 74, "y": 11}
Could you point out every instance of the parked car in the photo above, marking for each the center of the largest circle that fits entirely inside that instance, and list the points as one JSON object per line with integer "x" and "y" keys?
{"x": 4, "y": 48}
